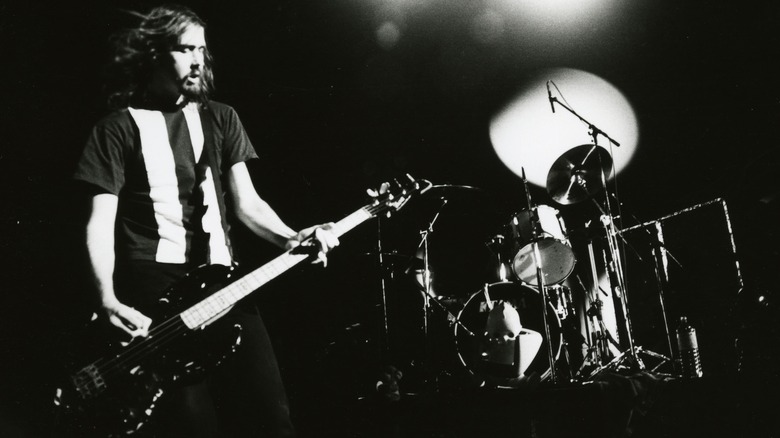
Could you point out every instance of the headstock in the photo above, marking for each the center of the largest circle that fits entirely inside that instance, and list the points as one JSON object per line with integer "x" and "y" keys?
{"x": 392, "y": 196}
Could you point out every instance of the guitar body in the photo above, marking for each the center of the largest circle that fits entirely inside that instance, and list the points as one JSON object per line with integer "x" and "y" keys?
{"x": 117, "y": 394}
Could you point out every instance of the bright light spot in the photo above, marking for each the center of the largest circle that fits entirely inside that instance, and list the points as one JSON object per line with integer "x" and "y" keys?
{"x": 527, "y": 135}
{"x": 560, "y": 15}
{"x": 566, "y": 9}
{"x": 388, "y": 35}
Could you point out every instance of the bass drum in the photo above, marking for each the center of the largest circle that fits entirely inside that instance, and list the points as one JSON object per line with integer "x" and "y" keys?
{"x": 478, "y": 332}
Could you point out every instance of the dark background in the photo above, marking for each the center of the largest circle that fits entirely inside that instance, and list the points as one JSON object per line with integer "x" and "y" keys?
{"x": 332, "y": 113}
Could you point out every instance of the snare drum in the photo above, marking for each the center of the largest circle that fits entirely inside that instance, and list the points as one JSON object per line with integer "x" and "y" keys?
{"x": 549, "y": 231}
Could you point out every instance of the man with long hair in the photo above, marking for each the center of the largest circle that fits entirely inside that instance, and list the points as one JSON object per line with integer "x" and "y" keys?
{"x": 155, "y": 168}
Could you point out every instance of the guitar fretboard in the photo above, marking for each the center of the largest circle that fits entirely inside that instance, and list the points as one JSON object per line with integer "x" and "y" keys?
{"x": 219, "y": 302}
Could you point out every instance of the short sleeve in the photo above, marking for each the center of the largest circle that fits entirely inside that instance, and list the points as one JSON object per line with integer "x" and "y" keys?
{"x": 102, "y": 160}
{"x": 236, "y": 147}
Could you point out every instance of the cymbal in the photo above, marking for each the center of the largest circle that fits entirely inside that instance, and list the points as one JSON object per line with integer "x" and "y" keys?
{"x": 577, "y": 174}
{"x": 454, "y": 199}
{"x": 448, "y": 191}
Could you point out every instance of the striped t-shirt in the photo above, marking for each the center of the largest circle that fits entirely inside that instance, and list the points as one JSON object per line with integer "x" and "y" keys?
{"x": 157, "y": 163}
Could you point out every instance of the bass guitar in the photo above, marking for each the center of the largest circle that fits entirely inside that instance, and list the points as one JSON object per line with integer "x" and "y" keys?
{"x": 116, "y": 394}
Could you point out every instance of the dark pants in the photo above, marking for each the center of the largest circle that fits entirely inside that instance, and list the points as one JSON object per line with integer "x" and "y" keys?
{"x": 244, "y": 396}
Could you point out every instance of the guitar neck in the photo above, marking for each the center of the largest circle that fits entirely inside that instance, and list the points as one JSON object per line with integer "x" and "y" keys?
{"x": 219, "y": 302}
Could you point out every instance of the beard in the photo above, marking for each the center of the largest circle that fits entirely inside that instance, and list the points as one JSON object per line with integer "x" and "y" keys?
{"x": 193, "y": 90}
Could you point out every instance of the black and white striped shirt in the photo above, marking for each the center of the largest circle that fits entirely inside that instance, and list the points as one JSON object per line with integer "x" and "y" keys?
{"x": 158, "y": 164}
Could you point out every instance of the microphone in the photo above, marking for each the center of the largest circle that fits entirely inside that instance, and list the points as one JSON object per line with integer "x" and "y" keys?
{"x": 549, "y": 96}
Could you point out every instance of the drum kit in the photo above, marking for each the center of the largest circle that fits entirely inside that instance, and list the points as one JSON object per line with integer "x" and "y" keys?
{"x": 554, "y": 307}
{"x": 539, "y": 311}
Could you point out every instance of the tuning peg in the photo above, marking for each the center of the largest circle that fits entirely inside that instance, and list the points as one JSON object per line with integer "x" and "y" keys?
{"x": 383, "y": 188}
{"x": 411, "y": 182}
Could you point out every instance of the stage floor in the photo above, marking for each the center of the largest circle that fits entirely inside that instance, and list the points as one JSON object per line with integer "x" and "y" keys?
{"x": 641, "y": 405}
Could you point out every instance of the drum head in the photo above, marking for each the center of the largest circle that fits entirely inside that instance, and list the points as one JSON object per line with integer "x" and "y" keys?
{"x": 475, "y": 346}
{"x": 557, "y": 262}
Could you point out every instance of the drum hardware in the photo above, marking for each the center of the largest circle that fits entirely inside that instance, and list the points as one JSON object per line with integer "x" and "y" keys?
{"x": 601, "y": 344}
{"x": 426, "y": 277}
{"x": 429, "y": 297}
{"x": 660, "y": 264}
{"x": 579, "y": 174}
{"x": 457, "y": 251}
{"x": 614, "y": 265}
{"x": 497, "y": 245}
{"x": 385, "y": 327}
{"x": 560, "y": 298}
{"x": 661, "y": 258}
{"x": 537, "y": 258}
{"x": 444, "y": 192}
{"x": 427, "y": 287}
{"x": 606, "y": 344}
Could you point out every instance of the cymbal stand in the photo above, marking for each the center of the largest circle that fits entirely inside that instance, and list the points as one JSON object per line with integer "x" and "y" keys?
{"x": 598, "y": 332}
{"x": 615, "y": 268}
{"x": 428, "y": 290}
{"x": 615, "y": 265}
{"x": 533, "y": 220}
{"x": 427, "y": 284}
{"x": 660, "y": 270}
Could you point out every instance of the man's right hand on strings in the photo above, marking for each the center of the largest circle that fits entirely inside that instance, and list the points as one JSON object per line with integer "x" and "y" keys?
{"x": 126, "y": 318}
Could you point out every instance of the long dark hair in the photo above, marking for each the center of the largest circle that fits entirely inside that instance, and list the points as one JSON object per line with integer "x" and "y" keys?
{"x": 134, "y": 50}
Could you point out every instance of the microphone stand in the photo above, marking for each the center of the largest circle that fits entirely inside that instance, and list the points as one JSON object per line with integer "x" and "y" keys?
{"x": 540, "y": 279}
{"x": 594, "y": 131}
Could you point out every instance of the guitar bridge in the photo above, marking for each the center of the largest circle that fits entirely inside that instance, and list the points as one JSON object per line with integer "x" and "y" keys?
{"x": 89, "y": 382}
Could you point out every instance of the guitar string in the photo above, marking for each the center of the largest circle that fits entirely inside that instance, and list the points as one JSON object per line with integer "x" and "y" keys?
{"x": 165, "y": 332}
{"x": 158, "y": 336}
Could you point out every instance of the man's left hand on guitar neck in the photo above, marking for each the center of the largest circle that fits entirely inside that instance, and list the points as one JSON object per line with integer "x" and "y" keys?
{"x": 322, "y": 236}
